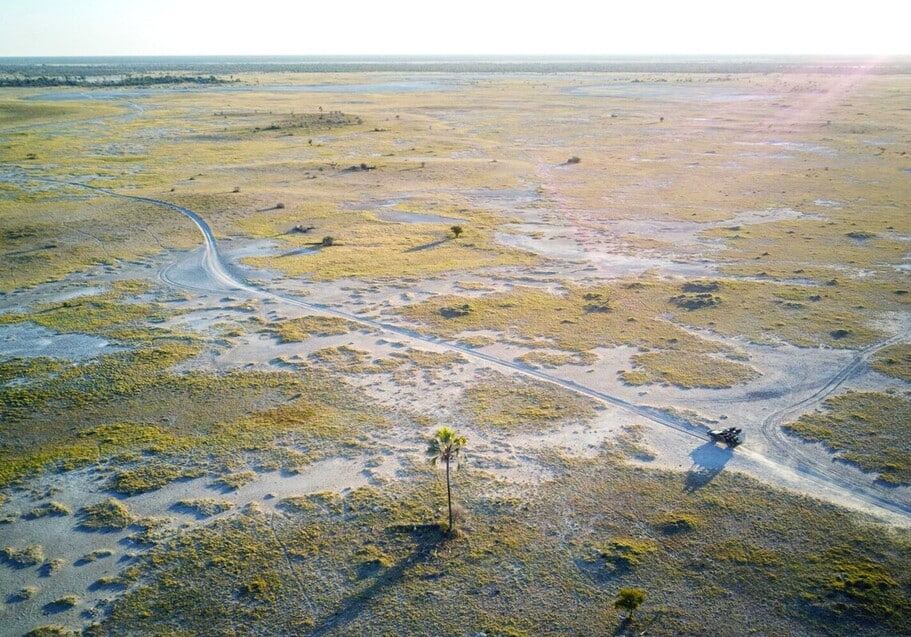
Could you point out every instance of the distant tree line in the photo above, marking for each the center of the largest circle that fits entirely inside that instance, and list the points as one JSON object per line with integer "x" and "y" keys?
{"x": 227, "y": 65}
{"x": 128, "y": 80}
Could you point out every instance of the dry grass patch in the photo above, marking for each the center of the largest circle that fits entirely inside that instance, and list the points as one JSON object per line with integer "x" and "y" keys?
{"x": 555, "y": 359}
{"x": 110, "y": 515}
{"x": 300, "y": 329}
{"x": 837, "y": 313}
{"x": 157, "y": 426}
{"x": 234, "y": 481}
{"x": 814, "y": 245}
{"x": 429, "y": 360}
{"x": 869, "y": 429}
{"x": 18, "y": 112}
{"x": 731, "y": 553}
{"x": 351, "y": 360}
{"x": 205, "y": 507}
{"x": 894, "y": 361}
{"x": 24, "y": 593}
{"x": 687, "y": 370}
{"x": 365, "y": 248}
{"x": 503, "y": 402}
{"x": 150, "y": 475}
{"x": 50, "y": 235}
{"x": 103, "y": 313}
{"x": 578, "y": 320}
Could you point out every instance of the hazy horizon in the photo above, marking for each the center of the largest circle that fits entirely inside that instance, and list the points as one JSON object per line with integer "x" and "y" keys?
{"x": 106, "y": 28}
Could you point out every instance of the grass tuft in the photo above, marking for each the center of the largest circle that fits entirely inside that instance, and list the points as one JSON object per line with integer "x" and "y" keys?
{"x": 54, "y": 509}
{"x": 22, "y": 558}
{"x": 110, "y": 515}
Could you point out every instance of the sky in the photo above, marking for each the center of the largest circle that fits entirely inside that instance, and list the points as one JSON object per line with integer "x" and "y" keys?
{"x": 439, "y": 27}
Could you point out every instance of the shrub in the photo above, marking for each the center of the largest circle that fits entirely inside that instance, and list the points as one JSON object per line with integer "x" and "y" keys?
{"x": 629, "y": 599}
{"x": 67, "y": 601}
{"x": 50, "y": 630}
{"x": 701, "y": 286}
{"x": 674, "y": 523}
{"x": 453, "y": 311}
{"x": 695, "y": 300}
{"x": 626, "y": 554}
{"x": 49, "y": 568}
{"x": 23, "y": 594}
{"x": 596, "y": 302}
{"x": 47, "y": 509}
{"x": 235, "y": 481}
{"x": 29, "y": 556}
{"x": 206, "y": 507}
{"x": 110, "y": 515}
{"x": 94, "y": 555}
{"x": 147, "y": 478}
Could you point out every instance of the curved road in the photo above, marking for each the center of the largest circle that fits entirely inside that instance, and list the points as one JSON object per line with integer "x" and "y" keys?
{"x": 812, "y": 470}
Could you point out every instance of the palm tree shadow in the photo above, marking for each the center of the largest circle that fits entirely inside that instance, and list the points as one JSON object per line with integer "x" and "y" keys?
{"x": 708, "y": 461}
{"x": 426, "y": 538}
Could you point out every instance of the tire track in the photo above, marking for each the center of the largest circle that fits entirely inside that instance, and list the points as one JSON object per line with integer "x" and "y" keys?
{"x": 811, "y": 469}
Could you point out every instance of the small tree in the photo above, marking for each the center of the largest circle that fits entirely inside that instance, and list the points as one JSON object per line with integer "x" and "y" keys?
{"x": 446, "y": 446}
{"x": 629, "y": 599}
{"x": 327, "y": 242}
{"x": 456, "y": 231}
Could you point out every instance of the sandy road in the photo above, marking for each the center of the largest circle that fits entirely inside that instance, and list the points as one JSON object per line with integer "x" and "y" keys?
{"x": 811, "y": 471}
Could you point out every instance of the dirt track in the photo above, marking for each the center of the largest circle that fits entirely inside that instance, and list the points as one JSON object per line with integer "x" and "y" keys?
{"x": 790, "y": 464}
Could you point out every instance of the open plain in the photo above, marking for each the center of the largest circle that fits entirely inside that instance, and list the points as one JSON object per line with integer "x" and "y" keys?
{"x": 232, "y": 315}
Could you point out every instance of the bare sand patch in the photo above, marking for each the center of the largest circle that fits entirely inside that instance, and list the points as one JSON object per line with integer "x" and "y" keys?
{"x": 86, "y": 564}
{"x": 27, "y": 340}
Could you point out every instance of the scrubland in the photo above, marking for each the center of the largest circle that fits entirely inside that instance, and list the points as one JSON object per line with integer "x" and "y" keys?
{"x": 639, "y": 257}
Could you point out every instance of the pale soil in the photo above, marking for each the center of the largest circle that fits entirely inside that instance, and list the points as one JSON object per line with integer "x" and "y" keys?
{"x": 61, "y": 538}
{"x": 576, "y": 250}
{"x": 787, "y": 375}
{"x": 30, "y": 340}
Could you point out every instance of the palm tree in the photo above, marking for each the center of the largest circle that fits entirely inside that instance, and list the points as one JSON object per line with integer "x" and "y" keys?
{"x": 445, "y": 446}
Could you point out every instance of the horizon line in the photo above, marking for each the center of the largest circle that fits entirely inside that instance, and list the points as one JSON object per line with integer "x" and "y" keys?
{"x": 517, "y": 56}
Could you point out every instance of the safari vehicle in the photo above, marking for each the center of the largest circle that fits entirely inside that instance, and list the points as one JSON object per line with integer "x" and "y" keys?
{"x": 731, "y": 436}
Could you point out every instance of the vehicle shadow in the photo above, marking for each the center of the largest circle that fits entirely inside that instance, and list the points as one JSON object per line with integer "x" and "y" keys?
{"x": 708, "y": 461}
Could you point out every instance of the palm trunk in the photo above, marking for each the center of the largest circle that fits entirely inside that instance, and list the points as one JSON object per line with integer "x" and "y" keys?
{"x": 449, "y": 496}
